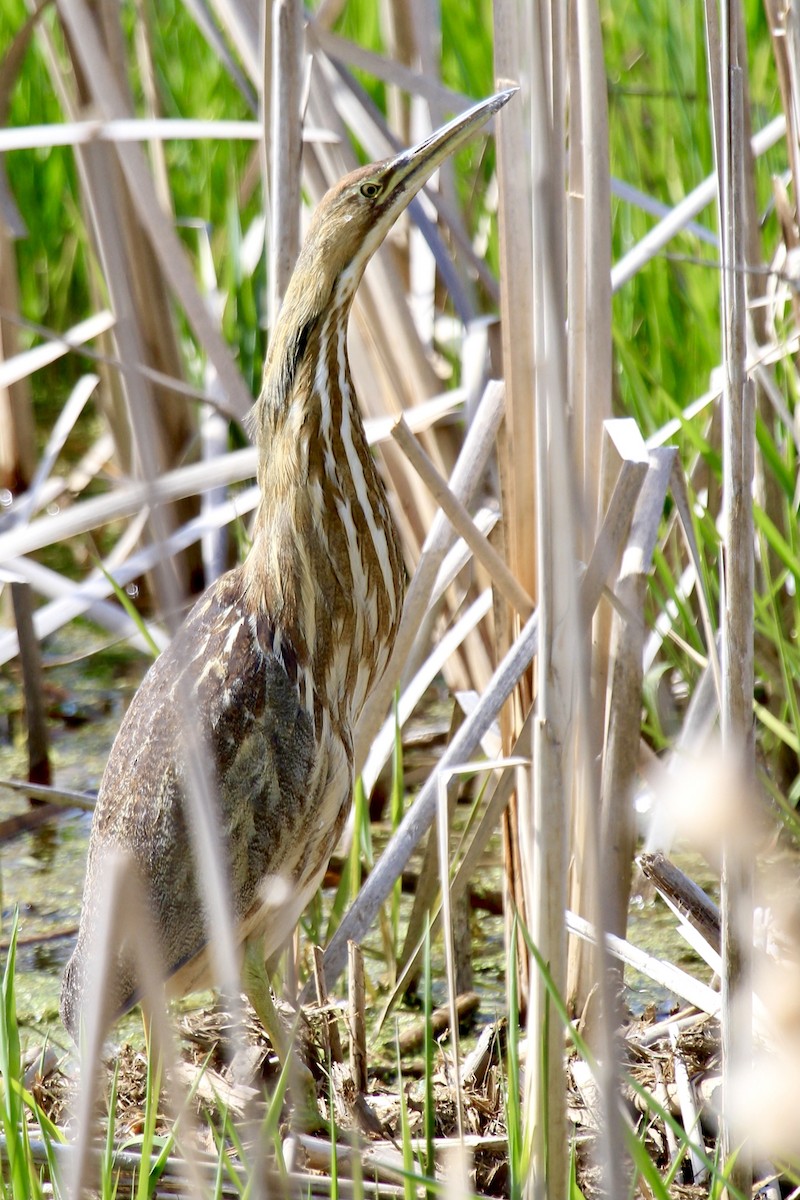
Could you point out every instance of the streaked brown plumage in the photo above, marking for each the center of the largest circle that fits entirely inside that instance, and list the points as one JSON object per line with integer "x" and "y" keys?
{"x": 273, "y": 665}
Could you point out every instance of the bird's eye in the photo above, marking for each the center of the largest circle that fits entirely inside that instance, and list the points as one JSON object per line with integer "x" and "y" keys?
{"x": 370, "y": 190}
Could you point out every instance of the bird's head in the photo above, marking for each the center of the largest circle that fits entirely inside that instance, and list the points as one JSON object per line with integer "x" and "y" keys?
{"x": 348, "y": 226}
{"x": 354, "y": 217}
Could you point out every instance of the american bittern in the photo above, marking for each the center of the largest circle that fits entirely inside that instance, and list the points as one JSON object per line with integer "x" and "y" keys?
{"x": 273, "y": 665}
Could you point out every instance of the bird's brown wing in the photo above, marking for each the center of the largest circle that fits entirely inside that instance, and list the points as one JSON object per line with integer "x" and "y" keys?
{"x": 217, "y": 719}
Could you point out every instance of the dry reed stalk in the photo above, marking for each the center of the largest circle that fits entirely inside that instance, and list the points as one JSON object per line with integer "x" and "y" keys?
{"x": 686, "y": 899}
{"x": 589, "y": 258}
{"x": 32, "y": 682}
{"x": 356, "y": 1018}
{"x": 467, "y": 474}
{"x": 31, "y": 501}
{"x": 767, "y": 491}
{"x": 346, "y": 53}
{"x": 419, "y": 683}
{"x": 285, "y": 147}
{"x": 143, "y": 43}
{"x": 154, "y": 130}
{"x": 147, "y": 461}
{"x": 414, "y": 690}
{"x": 17, "y": 469}
{"x": 17, "y": 431}
{"x": 621, "y": 759}
{"x": 428, "y": 896}
{"x": 396, "y": 20}
{"x": 19, "y": 365}
{"x": 688, "y": 1109}
{"x": 239, "y": 22}
{"x": 461, "y": 521}
{"x": 698, "y": 994}
{"x": 588, "y": 265}
{"x": 55, "y": 797}
{"x": 331, "y": 1025}
{"x": 783, "y": 30}
{"x": 545, "y": 815}
{"x": 680, "y": 496}
{"x": 737, "y": 591}
{"x": 513, "y": 50}
{"x": 512, "y": 41}
{"x": 446, "y": 803}
{"x": 623, "y": 453}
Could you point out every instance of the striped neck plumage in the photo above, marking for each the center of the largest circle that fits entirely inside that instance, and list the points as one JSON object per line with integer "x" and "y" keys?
{"x": 324, "y": 573}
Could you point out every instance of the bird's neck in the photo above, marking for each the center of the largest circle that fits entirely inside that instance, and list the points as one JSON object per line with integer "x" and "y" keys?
{"x": 325, "y": 561}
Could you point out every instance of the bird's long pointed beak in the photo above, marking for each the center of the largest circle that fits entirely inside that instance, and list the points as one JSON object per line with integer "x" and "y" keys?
{"x": 415, "y": 166}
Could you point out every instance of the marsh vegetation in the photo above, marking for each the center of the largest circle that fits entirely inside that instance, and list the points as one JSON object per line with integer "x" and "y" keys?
{"x": 589, "y": 326}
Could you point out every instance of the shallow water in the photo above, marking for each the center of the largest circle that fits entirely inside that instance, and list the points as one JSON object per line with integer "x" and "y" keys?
{"x": 42, "y": 872}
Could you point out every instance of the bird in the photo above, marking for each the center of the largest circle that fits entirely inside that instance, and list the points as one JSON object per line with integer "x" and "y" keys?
{"x": 276, "y": 660}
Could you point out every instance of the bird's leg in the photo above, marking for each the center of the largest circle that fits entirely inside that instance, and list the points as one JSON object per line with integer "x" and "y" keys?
{"x": 301, "y": 1081}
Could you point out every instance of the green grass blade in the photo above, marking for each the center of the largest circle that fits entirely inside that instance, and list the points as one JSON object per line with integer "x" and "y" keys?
{"x": 20, "y": 1174}
{"x": 130, "y": 609}
{"x": 397, "y": 795}
{"x": 516, "y": 1172}
{"x": 429, "y": 1051}
{"x": 409, "y": 1174}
